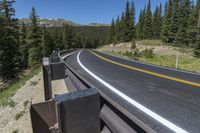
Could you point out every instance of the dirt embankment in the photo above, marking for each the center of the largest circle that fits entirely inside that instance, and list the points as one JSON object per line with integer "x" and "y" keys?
{"x": 17, "y": 119}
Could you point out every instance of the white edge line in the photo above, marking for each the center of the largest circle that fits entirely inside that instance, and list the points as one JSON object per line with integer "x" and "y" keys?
{"x": 145, "y": 63}
{"x": 147, "y": 111}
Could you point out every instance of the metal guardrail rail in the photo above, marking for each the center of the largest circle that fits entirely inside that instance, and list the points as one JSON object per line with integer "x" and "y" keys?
{"x": 114, "y": 118}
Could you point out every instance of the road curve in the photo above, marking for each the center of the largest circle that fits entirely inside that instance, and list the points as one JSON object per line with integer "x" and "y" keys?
{"x": 171, "y": 95}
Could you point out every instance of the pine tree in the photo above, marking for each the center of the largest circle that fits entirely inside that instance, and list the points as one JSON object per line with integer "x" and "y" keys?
{"x": 148, "y": 27}
{"x": 196, "y": 14}
{"x": 1, "y": 25}
{"x": 9, "y": 48}
{"x": 157, "y": 22}
{"x": 126, "y": 23}
{"x": 197, "y": 46}
{"x": 175, "y": 19}
{"x": 182, "y": 34}
{"x": 129, "y": 23}
{"x": 112, "y": 34}
{"x": 64, "y": 38}
{"x": 139, "y": 26}
{"x": 83, "y": 40}
{"x": 165, "y": 9}
{"x": 197, "y": 10}
{"x": 167, "y": 23}
{"x": 96, "y": 42}
{"x": 161, "y": 20}
{"x": 34, "y": 40}
{"x": 68, "y": 37}
{"x": 47, "y": 44}
{"x": 132, "y": 20}
{"x": 88, "y": 43}
{"x": 78, "y": 41}
{"x": 57, "y": 37}
{"x": 117, "y": 29}
{"x": 23, "y": 46}
{"x": 193, "y": 23}
{"x": 142, "y": 23}
{"x": 121, "y": 28}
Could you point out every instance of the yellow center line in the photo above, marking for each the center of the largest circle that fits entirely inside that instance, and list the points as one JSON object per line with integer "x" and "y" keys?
{"x": 149, "y": 72}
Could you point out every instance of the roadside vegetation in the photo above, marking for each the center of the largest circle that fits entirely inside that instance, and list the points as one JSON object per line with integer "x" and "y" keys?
{"x": 15, "y": 131}
{"x": 156, "y": 52}
{"x": 178, "y": 25}
{"x": 159, "y": 36}
{"x": 18, "y": 115}
{"x": 13, "y": 87}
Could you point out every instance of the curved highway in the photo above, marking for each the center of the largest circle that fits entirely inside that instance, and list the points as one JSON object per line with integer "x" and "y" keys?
{"x": 165, "y": 99}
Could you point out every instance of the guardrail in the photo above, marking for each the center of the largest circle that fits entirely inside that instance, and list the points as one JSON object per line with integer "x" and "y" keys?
{"x": 84, "y": 110}
{"x": 114, "y": 118}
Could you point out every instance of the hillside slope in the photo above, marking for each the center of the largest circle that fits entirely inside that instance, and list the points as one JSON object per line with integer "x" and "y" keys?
{"x": 163, "y": 55}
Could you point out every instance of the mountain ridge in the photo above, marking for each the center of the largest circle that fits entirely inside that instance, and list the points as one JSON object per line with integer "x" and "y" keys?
{"x": 58, "y": 22}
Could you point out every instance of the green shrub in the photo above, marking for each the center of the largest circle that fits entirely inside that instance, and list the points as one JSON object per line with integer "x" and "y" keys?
{"x": 25, "y": 103}
{"x": 12, "y": 103}
{"x": 136, "y": 53}
{"x": 148, "y": 53}
{"x": 18, "y": 115}
{"x": 15, "y": 131}
{"x": 128, "y": 54}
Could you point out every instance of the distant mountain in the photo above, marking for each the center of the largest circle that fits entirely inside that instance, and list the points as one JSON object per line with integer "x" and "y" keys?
{"x": 58, "y": 22}
{"x": 98, "y": 24}
{"x": 51, "y": 22}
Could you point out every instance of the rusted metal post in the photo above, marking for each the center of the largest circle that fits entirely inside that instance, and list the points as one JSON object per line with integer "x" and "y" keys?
{"x": 47, "y": 79}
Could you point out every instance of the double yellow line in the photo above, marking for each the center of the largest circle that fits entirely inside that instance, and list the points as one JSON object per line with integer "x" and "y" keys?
{"x": 149, "y": 72}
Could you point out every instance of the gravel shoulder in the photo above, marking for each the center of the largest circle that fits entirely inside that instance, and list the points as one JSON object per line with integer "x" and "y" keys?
{"x": 17, "y": 119}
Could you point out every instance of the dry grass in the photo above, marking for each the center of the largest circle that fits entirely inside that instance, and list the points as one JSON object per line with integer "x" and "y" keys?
{"x": 185, "y": 62}
{"x": 18, "y": 116}
{"x": 12, "y": 88}
{"x": 165, "y": 55}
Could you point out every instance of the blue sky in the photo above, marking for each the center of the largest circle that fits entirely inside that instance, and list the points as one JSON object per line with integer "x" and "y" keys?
{"x": 79, "y": 11}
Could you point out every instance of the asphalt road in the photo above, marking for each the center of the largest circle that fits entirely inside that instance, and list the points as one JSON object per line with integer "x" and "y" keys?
{"x": 172, "y": 95}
